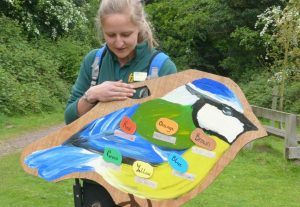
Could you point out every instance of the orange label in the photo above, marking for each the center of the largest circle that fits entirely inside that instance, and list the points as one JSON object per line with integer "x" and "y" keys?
{"x": 166, "y": 126}
{"x": 202, "y": 140}
{"x": 127, "y": 125}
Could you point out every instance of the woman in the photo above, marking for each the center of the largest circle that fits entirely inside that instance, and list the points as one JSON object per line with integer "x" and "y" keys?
{"x": 130, "y": 48}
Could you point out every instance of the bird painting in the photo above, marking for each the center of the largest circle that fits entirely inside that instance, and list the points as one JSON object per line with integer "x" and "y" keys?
{"x": 175, "y": 142}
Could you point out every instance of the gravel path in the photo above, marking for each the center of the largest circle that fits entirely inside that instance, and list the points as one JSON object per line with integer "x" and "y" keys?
{"x": 17, "y": 144}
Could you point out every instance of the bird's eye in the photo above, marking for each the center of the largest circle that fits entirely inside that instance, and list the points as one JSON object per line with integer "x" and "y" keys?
{"x": 227, "y": 111}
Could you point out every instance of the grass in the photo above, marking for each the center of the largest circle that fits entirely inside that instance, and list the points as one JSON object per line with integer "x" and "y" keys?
{"x": 18, "y": 189}
{"x": 11, "y": 127}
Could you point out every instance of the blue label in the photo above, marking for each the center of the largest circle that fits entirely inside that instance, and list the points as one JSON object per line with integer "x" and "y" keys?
{"x": 178, "y": 163}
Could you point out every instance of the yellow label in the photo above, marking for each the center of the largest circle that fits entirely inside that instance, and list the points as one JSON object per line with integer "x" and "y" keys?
{"x": 142, "y": 169}
{"x": 166, "y": 126}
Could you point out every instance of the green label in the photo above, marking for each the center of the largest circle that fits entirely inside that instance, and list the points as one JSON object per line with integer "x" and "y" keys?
{"x": 112, "y": 155}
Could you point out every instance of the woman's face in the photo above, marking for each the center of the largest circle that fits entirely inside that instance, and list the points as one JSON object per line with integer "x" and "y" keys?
{"x": 121, "y": 35}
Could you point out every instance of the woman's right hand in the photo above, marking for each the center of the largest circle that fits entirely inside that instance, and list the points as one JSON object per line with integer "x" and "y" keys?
{"x": 110, "y": 91}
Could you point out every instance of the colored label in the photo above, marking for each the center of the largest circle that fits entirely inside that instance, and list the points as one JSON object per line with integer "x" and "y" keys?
{"x": 127, "y": 125}
{"x": 166, "y": 126}
{"x": 202, "y": 140}
{"x": 112, "y": 155}
{"x": 178, "y": 163}
{"x": 142, "y": 169}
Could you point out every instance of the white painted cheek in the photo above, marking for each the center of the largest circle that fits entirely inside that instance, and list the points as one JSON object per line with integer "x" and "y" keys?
{"x": 181, "y": 96}
{"x": 211, "y": 118}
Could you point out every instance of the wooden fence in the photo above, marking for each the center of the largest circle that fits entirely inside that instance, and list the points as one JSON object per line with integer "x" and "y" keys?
{"x": 287, "y": 128}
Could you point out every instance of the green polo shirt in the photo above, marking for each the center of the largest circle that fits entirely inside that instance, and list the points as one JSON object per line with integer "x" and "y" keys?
{"x": 110, "y": 70}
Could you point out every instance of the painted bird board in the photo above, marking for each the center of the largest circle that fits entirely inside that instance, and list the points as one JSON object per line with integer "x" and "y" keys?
{"x": 160, "y": 150}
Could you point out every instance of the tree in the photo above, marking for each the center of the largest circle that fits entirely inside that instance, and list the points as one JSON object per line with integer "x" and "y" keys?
{"x": 216, "y": 36}
{"x": 281, "y": 28}
{"x": 52, "y": 18}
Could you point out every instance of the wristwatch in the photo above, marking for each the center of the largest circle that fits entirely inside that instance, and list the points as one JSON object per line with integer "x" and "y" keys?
{"x": 86, "y": 99}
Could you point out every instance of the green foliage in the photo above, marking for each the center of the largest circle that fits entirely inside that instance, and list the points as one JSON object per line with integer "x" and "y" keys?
{"x": 53, "y": 17}
{"x": 247, "y": 42}
{"x": 67, "y": 53}
{"x": 204, "y": 34}
{"x": 182, "y": 28}
{"x": 292, "y": 94}
{"x": 257, "y": 90}
{"x": 35, "y": 75}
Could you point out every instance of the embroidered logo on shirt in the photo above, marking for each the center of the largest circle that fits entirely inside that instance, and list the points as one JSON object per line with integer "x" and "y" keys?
{"x": 130, "y": 78}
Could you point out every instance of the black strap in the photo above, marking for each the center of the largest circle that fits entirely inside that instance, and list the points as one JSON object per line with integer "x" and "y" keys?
{"x": 77, "y": 191}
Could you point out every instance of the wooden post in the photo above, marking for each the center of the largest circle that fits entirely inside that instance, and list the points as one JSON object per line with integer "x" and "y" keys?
{"x": 291, "y": 143}
{"x": 274, "y": 102}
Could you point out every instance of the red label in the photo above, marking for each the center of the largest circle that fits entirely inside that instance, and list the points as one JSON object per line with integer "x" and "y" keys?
{"x": 127, "y": 125}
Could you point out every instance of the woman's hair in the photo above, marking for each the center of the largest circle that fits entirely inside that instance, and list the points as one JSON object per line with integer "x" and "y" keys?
{"x": 137, "y": 13}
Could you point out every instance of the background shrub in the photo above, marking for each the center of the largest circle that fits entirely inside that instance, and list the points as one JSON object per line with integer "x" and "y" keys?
{"x": 36, "y": 75}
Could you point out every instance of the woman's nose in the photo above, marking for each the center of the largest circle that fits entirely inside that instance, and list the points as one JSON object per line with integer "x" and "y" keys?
{"x": 119, "y": 42}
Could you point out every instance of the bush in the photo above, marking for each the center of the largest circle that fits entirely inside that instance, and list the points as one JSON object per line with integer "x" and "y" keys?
{"x": 31, "y": 77}
{"x": 258, "y": 90}
{"x": 292, "y": 101}
{"x": 52, "y": 18}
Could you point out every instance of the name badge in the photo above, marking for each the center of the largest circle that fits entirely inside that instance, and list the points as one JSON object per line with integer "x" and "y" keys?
{"x": 139, "y": 76}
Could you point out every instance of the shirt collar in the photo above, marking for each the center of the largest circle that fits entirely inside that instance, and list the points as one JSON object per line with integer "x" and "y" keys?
{"x": 140, "y": 51}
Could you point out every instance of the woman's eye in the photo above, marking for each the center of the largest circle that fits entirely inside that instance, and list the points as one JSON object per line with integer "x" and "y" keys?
{"x": 126, "y": 34}
{"x": 111, "y": 35}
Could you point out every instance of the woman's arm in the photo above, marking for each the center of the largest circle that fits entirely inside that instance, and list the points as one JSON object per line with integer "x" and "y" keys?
{"x": 81, "y": 85}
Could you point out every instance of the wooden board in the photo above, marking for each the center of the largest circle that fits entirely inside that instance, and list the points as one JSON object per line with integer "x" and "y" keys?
{"x": 158, "y": 88}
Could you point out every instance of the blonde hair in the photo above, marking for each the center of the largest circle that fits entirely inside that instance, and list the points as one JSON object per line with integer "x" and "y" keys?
{"x": 137, "y": 14}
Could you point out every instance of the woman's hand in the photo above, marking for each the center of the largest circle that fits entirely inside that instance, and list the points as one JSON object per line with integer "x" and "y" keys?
{"x": 110, "y": 91}
{"x": 104, "y": 92}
